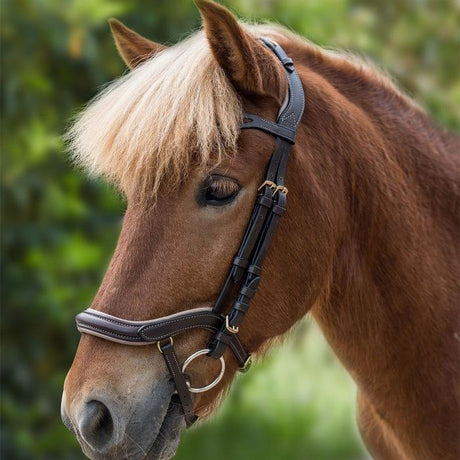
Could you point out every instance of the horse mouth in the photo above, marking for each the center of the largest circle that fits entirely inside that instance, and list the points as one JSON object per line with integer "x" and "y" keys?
{"x": 164, "y": 439}
{"x": 168, "y": 436}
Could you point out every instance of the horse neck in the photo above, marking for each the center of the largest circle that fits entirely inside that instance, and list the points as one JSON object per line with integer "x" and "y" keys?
{"x": 389, "y": 308}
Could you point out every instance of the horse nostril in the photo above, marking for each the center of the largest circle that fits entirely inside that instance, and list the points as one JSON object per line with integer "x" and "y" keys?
{"x": 96, "y": 425}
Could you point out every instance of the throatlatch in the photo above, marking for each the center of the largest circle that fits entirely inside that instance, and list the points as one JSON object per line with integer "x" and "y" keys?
{"x": 245, "y": 271}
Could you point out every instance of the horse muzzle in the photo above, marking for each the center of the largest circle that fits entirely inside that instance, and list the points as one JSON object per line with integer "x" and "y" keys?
{"x": 107, "y": 428}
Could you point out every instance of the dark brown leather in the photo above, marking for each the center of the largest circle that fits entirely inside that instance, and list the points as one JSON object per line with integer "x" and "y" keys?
{"x": 147, "y": 332}
{"x": 269, "y": 208}
{"x": 180, "y": 381}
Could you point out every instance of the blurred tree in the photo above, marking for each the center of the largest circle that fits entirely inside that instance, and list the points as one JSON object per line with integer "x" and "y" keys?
{"x": 59, "y": 228}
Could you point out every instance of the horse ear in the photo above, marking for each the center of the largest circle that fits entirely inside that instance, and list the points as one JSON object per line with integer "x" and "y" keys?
{"x": 133, "y": 48}
{"x": 247, "y": 63}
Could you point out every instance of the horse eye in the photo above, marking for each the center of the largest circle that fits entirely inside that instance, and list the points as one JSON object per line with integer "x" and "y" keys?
{"x": 219, "y": 190}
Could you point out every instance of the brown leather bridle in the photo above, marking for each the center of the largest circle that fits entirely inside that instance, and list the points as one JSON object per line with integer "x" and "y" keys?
{"x": 244, "y": 272}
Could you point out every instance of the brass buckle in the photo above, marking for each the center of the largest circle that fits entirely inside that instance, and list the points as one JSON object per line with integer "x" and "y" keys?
{"x": 280, "y": 188}
{"x": 246, "y": 366}
{"x": 171, "y": 341}
{"x": 270, "y": 184}
{"x": 232, "y": 329}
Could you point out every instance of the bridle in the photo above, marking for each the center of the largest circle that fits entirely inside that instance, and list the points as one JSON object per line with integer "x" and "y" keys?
{"x": 244, "y": 272}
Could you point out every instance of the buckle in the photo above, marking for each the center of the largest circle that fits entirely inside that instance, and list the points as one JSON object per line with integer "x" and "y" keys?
{"x": 276, "y": 188}
{"x": 246, "y": 366}
{"x": 171, "y": 341}
{"x": 231, "y": 329}
{"x": 280, "y": 188}
{"x": 270, "y": 184}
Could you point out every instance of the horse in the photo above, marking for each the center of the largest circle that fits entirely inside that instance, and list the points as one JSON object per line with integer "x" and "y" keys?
{"x": 368, "y": 245}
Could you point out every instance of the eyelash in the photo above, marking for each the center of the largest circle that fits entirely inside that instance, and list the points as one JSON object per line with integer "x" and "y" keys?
{"x": 218, "y": 191}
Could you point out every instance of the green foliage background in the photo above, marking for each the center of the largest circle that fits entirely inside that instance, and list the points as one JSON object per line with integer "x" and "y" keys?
{"x": 59, "y": 228}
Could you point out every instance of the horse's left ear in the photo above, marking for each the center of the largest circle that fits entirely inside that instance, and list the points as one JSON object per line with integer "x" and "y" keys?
{"x": 248, "y": 64}
{"x": 133, "y": 48}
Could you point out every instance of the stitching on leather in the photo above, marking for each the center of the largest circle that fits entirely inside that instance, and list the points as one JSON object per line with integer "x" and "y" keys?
{"x": 287, "y": 121}
{"x": 188, "y": 403}
{"x": 170, "y": 366}
{"x": 108, "y": 332}
{"x": 296, "y": 85}
{"x": 174, "y": 357}
{"x": 171, "y": 321}
{"x": 147, "y": 324}
{"x": 104, "y": 318}
{"x": 275, "y": 128}
{"x": 177, "y": 331}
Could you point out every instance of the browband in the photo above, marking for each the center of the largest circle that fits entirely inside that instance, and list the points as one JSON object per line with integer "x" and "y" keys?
{"x": 245, "y": 270}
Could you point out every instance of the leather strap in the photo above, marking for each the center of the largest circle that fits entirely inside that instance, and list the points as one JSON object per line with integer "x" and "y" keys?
{"x": 269, "y": 207}
{"x": 180, "y": 381}
{"x": 256, "y": 122}
{"x": 128, "y": 332}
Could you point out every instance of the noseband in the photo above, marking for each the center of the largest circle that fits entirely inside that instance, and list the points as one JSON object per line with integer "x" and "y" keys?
{"x": 244, "y": 272}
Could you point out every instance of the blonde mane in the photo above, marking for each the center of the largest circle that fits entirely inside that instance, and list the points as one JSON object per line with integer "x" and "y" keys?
{"x": 175, "y": 112}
